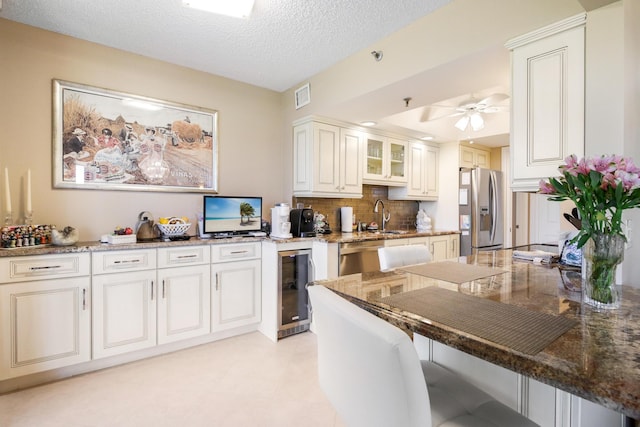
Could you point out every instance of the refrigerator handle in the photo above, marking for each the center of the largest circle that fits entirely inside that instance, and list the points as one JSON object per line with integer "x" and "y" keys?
{"x": 493, "y": 203}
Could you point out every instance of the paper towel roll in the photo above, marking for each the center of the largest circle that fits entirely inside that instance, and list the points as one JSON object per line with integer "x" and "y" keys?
{"x": 346, "y": 219}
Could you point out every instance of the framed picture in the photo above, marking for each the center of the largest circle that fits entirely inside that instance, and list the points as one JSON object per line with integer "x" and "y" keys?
{"x": 110, "y": 140}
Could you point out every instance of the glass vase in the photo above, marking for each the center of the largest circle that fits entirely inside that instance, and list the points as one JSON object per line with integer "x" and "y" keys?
{"x": 601, "y": 255}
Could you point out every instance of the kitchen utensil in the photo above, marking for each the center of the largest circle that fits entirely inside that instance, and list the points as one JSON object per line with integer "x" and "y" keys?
{"x": 144, "y": 227}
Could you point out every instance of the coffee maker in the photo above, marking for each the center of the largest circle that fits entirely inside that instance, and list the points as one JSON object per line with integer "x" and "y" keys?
{"x": 280, "y": 223}
{"x": 302, "y": 223}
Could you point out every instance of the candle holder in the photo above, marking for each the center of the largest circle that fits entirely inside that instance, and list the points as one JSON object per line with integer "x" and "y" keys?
{"x": 8, "y": 220}
{"x": 28, "y": 217}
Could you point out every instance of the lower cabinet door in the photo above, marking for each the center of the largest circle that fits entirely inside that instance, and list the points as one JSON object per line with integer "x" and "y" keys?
{"x": 124, "y": 312}
{"x": 44, "y": 325}
{"x": 236, "y": 294}
{"x": 439, "y": 247}
{"x": 184, "y": 303}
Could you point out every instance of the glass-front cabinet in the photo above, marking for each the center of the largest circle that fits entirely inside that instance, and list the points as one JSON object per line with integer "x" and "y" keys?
{"x": 385, "y": 161}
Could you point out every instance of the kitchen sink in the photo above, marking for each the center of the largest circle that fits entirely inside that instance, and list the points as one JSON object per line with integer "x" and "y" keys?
{"x": 391, "y": 232}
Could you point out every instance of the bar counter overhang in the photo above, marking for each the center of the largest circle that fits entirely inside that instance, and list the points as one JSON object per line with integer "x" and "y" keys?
{"x": 598, "y": 359}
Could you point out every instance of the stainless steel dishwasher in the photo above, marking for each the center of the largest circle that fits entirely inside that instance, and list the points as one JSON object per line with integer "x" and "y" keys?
{"x": 359, "y": 257}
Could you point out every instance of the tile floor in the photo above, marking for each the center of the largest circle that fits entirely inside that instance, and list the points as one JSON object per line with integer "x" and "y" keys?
{"x": 241, "y": 381}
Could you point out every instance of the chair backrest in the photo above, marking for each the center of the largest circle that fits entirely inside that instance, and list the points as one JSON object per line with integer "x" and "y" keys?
{"x": 391, "y": 257}
{"x": 368, "y": 368}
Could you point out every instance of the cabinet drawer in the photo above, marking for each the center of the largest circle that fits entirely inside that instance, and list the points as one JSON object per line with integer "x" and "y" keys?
{"x": 116, "y": 261}
{"x": 20, "y": 269}
{"x": 235, "y": 251}
{"x": 189, "y": 255}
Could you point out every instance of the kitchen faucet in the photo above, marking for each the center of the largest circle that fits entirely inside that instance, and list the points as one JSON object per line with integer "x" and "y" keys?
{"x": 386, "y": 218}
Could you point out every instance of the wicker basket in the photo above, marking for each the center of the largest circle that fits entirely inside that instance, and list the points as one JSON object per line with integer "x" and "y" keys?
{"x": 173, "y": 229}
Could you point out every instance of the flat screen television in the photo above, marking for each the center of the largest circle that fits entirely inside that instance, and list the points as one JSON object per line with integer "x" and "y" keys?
{"x": 225, "y": 216}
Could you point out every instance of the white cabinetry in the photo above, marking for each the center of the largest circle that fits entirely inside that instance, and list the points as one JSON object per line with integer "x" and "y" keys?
{"x": 543, "y": 404}
{"x": 423, "y": 174}
{"x": 454, "y": 245}
{"x": 441, "y": 247}
{"x": 124, "y": 301}
{"x": 136, "y": 306}
{"x": 184, "y": 293}
{"x": 547, "y": 122}
{"x": 237, "y": 282}
{"x": 44, "y": 313}
{"x": 385, "y": 161}
{"x": 472, "y": 157}
{"x": 327, "y": 161}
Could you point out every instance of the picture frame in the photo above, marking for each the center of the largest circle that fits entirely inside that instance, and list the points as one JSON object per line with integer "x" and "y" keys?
{"x": 109, "y": 140}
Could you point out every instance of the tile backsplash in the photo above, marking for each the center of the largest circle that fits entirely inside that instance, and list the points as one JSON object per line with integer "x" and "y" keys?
{"x": 403, "y": 213}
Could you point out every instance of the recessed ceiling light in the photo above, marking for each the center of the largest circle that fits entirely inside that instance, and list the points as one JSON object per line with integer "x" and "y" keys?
{"x": 368, "y": 123}
{"x": 427, "y": 138}
{"x": 235, "y": 8}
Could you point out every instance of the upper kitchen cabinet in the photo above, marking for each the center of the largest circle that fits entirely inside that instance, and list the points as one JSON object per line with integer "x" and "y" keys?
{"x": 547, "y": 123}
{"x": 423, "y": 160}
{"x": 327, "y": 160}
{"x": 385, "y": 162}
{"x": 472, "y": 157}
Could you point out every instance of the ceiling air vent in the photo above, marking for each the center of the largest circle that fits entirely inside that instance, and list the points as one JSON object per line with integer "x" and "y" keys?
{"x": 303, "y": 96}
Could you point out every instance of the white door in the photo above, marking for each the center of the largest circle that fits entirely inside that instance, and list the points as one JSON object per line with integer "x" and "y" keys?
{"x": 44, "y": 325}
{"x": 545, "y": 219}
{"x": 236, "y": 296}
{"x": 124, "y": 312}
{"x": 184, "y": 303}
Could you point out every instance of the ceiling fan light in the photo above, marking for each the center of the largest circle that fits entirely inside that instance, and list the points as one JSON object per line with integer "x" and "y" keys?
{"x": 462, "y": 123}
{"x": 477, "y": 122}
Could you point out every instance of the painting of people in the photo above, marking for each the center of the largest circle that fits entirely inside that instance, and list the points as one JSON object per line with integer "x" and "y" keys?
{"x": 110, "y": 140}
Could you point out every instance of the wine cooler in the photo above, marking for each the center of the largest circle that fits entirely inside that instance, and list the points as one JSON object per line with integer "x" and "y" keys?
{"x": 294, "y": 272}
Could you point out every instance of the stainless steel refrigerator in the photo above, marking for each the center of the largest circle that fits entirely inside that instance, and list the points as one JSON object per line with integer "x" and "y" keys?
{"x": 481, "y": 210}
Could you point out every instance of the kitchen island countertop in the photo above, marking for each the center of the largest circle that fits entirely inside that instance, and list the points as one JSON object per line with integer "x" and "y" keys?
{"x": 598, "y": 359}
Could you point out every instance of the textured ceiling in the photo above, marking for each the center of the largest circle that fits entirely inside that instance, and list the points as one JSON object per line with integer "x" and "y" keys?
{"x": 283, "y": 43}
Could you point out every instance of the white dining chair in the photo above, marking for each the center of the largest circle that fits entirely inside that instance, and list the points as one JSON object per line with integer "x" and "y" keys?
{"x": 371, "y": 373}
{"x": 391, "y": 257}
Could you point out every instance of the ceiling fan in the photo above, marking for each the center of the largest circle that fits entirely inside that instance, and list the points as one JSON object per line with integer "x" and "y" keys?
{"x": 471, "y": 111}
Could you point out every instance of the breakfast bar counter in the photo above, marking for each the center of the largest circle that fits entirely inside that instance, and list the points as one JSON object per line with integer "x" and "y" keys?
{"x": 595, "y": 357}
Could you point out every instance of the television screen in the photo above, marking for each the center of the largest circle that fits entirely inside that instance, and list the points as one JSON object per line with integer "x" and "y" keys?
{"x": 231, "y": 215}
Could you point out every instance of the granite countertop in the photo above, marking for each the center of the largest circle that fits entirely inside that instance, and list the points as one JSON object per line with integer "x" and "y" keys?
{"x": 95, "y": 246}
{"x": 368, "y": 235}
{"x": 598, "y": 359}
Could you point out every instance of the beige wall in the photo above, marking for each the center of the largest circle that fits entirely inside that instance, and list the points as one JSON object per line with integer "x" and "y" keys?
{"x": 250, "y": 128}
{"x": 459, "y": 29}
